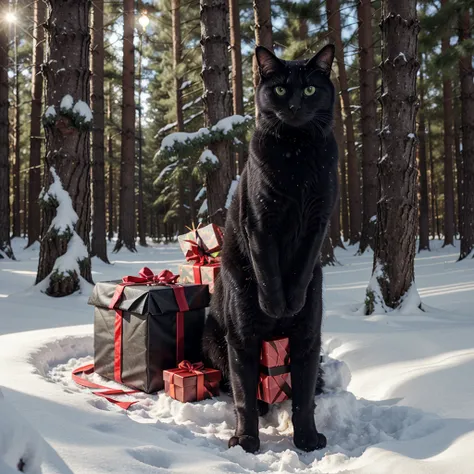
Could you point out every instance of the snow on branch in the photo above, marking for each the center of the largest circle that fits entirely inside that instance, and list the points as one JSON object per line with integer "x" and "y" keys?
{"x": 184, "y": 143}
{"x": 71, "y": 116}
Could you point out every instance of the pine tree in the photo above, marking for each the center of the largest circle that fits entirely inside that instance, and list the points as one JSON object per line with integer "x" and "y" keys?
{"x": 217, "y": 100}
{"x": 178, "y": 82}
{"x": 127, "y": 221}
{"x": 237, "y": 79}
{"x": 98, "y": 239}
{"x": 466, "y": 75}
{"x": 334, "y": 25}
{"x": 34, "y": 184}
{"x": 424, "y": 229}
{"x": 65, "y": 201}
{"x": 394, "y": 255}
{"x": 448, "y": 148}
{"x": 263, "y": 35}
{"x": 16, "y": 206}
{"x": 5, "y": 246}
{"x": 370, "y": 140}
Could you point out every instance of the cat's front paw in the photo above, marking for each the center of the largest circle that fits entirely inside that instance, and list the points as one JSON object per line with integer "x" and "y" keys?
{"x": 250, "y": 444}
{"x": 296, "y": 303}
{"x": 273, "y": 306}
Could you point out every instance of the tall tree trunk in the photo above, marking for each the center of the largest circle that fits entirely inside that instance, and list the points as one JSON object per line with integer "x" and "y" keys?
{"x": 98, "y": 241}
{"x": 67, "y": 124}
{"x": 24, "y": 210}
{"x": 459, "y": 170}
{"x": 342, "y": 195}
{"x": 35, "y": 124}
{"x": 127, "y": 221}
{"x": 466, "y": 75}
{"x": 448, "y": 149}
{"x": 217, "y": 100}
{"x": 339, "y": 133}
{"x": 237, "y": 80}
{"x": 178, "y": 82}
{"x": 424, "y": 226}
{"x": 16, "y": 208}
{"x": 5, "y": 247}
{"x": 370, "y": 140}
{"x": 263, "y": 35}
{"x": 395, "y": 241}
{"x": 334, "y": 24}
{"x": 141, "y": 211}
{"x": 110, "y": 233}
{"x": 434, "y": 192}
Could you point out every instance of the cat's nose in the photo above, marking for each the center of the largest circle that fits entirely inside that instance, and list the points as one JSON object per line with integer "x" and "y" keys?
{"x": 294, "y": 108}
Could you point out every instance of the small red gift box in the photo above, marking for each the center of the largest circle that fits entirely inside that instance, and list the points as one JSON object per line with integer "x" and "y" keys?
{"x": 209, "y": 239}
{"x": 191, "y": 382}
{"x": 201, "y": 274}
{"x": 275, "y": 376}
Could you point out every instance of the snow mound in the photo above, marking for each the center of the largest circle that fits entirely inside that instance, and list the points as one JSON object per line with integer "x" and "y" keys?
{"x": 21, "y": 447}
{"x": 351, "y": 425}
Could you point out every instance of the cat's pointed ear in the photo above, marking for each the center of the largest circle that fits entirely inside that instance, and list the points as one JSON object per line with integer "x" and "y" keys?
{"x": 268, "y": 63}
{"x": 323, "y": 60}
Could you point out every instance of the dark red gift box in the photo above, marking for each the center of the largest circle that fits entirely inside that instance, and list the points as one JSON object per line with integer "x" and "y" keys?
{"x": 191, "y": 382}
{"x": 275, "y": 376}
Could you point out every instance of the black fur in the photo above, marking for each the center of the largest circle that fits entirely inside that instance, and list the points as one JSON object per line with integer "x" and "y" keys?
{"x": 271, "y": 277}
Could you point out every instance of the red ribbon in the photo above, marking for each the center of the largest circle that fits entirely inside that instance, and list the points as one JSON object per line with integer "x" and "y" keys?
{"x": 185, "y": 367}
{"x": 147, "y": 277}
{"x": 198, "y": 255}
{"x": 104, "y": 392}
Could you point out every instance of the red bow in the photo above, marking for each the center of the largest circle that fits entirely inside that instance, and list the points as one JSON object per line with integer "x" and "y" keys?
{"x": 198, "y": 255}
{"x": 147, "y": 277}
{"x": 193, "y": 368}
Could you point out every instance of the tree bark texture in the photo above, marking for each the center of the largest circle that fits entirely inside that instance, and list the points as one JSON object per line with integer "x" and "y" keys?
{"x": 178, "y": 82}
{"x": 339, "y": 134}
{"x": 334, "y": 25}
{"x": 5, "y": 247}
{"x": 370, "y": 140}
{"x": 448, "y": 149}
{"x": 112, "y": 226}
{"x": 237, "y": 79}
{"x": 466, "y": 75}
{"x": 217, "y": 100}
{"x": 335, "y": 232}
{"x": 395, "y": 241}
{"x": 127, "y": 220}
{"x": 459, "y": 170}
{"x": 67, "y": 144}
{"x": 424, "y": 219}
{"x": 98, "y": 242}
{"x": 36, "y": 140}
{"x": 16, "y": 207}
{"x": 434, "y": 188}
{"x": 263, "y": 35}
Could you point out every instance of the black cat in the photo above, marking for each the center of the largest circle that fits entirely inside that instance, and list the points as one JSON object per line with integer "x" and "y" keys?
{"x": 271, "y": 278}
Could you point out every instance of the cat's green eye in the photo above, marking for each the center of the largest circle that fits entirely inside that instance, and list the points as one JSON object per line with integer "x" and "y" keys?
{"x": 280, "y": 90}
{"x": 310, "y": 90}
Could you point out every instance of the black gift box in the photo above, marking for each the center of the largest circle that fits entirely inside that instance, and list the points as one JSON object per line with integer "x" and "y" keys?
{"x": 137, "y": 339}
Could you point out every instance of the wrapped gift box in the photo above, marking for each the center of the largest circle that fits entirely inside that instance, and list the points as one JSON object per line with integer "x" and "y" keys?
{"x": 201, "y": 274}
{"x": 144, "y": 325}
{"x": 209, "y": 239}
{"x": 275, "y": 376}
{"x": 191, "y": 382}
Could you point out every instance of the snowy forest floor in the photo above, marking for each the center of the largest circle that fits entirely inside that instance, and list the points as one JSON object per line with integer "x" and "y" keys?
{"x": 400, "y": 395}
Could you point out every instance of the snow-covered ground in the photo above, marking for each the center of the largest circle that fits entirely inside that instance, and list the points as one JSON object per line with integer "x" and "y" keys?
{"x": 400, "y": 393}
